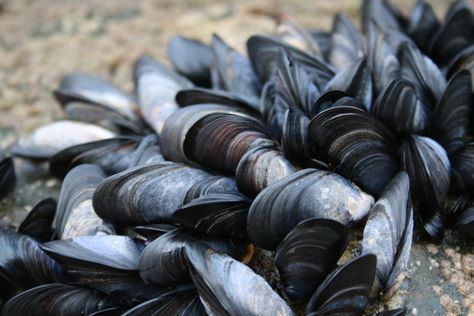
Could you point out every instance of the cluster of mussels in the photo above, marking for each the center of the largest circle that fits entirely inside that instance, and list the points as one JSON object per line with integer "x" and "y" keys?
{"x": 166, "y": 193}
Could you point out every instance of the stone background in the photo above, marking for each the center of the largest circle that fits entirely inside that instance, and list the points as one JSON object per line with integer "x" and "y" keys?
{"x": 41, "y": 40}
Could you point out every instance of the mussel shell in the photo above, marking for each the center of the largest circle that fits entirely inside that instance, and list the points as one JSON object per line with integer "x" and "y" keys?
{"x": 347, "y": 43}
{"x": 454, "y": 35}
{"x": 23, "y": 263}
{"x": 112, "y": 155}
{"x": 302, "y": 195}
{"x": 56, "y": 299}
{"x": 294, "y": 34}
{"x": 7, "y": 176}
{"x": 38, "y": 223}
{"x": 462, "y": 216}
{"x": 380, "y": 13}
{"x": 308, "y": 253}
{"x": 75, "y": 214}
{"x": 346, "y": 289}
{"x": 145, "y": 194}
{"x": 233, "y": 72}
{"x": 259, "y": 168}
{"x": 177, "y": 127}
{"x": 196, "y": 69}
{"x": 263, "y": 52}
{"x": 156, "y": 87}
{"x": 49, "y": 139}
{"x": 399, "y": 107}
{"x": 295, "y": 141}
{"x": 228, "y": 287}
{"x": 220, "y": 140}
{"x": 392, "y": 217}
{"x": 179, "y": 302}
{"x": 222, "y": 215}
{"x": 463, "y": 168}
{"x": 452, "y": 113}
{"x": 355, "y": 80}
{"x": 357, "y": 145}
{"x": 163, "y": 261}
{"x": 211, "y": 185}
{"x": 428, "y": 166}
{"x": 423, "y": 24}
{"x": 94, "y": 90}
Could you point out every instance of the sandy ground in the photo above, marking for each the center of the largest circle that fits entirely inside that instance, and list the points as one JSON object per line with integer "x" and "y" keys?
{"x": 41, "y": 40}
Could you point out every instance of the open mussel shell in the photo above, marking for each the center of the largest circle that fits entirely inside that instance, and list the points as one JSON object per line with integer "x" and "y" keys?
{"x": 49, "y": 139}
{"x": 156, "y": 87}
{"x": 179, "y": 124}
{"x": 463, "y": 168}
{"x": 78, "y": 87}
{"x": 222, "y": 215}
{"x": 228, "y": 287}
{"x": 307, "y": 255}
{"x": 428, "y": 79}
{"x": 220, "y": 140}
{"x": 183, "y": 301}
{"x": 142, "y": 195}
{"x": 391, "y": 216}
{"x": 357, "y": 145}
{"x": 264, "y": 50}
{"x": 56, "y": 299}
{"x": 233, "y": 72}
{"x": 261, "y": 167}
{"x": 7, "y": 176}
{"x": 23, "y": 263}
{"x": 112, "y": 155}
{"x": 454, "y": 35}
{"x": 75, "y": 215}
{"x": 196, "y": 69}
{"x": 428, "y": 166}
{"x": 106, "y": 263}
{"x": 355, "y": 80}
{"x": 163, "y": 261}
{"x": 302, "y": 195}
{"x": 347, "y": 43}
{"x": 399, "y": 107}
{"x": 452, "y": 113}
{"x": 38, "y": 223}
{"x": 423, "y": 24}
{"x": 346, "y": 290}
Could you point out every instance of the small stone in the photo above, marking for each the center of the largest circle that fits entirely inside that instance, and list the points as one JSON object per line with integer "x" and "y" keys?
{"x": 432, "y": 249}
{"x": 414, "y": 311}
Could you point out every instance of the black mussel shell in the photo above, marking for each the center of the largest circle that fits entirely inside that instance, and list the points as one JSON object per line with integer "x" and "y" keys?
{"x": 452, "y": 113}
{"x": 302, "y": 195}
{"x": 163, "y": 261}
{"x": 347, "y": 43}
{"x": 357, "y": 145}
{"x": 423, "y": 24}
{"x": 38, "y": 223}
{"x": 56, "y": 299}
{"x": 179, "y": 302}
{"x": 196, "y": 69}
{"x": 399, "y": 107}
{"x": 205, "y": 96}
{"x": 211, "y": 185}
{"x": 346, "y": 290}
{"x": 308, "y": 253}
{"x": 222, "y": 215}
{"x": 23, "y": 263}
{"x": 392, "y": 217}
{"x": 228, "y": 287}
{"x": 75, "y": 215}
{"x": 7, "y": 176}
{"x": 462, "y": 162}
{"x": 156, "y": 87}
